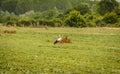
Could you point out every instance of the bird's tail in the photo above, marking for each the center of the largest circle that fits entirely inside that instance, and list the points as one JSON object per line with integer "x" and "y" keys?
{"x": 55, "y": 42}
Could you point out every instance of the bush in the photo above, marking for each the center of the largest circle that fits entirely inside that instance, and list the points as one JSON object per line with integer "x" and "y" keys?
{"x": 90, "y": 24}
{"x": 117, "y": 11}
{"x": 57, "y": 22}
{"x": 110, "y": 18}
{"x": 6, "y": 16}
{"x": 46, "y": 22}
{"x": 83, "y": 8}
{"x": 27, "y": 21}
{"x": 11, "y": 23}
{"x": 92, "y": 19}
{"x": 100, "y": 23}
{"x": 115, "y": 24}
{"x": 75, "y": 19}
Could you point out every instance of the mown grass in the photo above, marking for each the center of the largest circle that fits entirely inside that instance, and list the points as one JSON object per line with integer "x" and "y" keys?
{"x": 31, "y": 51}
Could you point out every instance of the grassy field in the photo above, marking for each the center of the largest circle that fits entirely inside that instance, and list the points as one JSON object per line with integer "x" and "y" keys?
{"x": 31, "y": 51}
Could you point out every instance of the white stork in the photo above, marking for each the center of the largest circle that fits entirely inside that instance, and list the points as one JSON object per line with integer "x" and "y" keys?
{"x": 58, "y": 40}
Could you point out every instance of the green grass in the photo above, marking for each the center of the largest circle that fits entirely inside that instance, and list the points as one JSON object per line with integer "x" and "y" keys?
{"x": 31, "y": 51}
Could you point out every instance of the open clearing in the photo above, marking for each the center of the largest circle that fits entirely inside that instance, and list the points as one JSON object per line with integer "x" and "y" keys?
{"x": 31, "y": 51}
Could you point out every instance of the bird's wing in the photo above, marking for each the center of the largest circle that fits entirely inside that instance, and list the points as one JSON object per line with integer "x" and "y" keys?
{"x": 59, "y": 39}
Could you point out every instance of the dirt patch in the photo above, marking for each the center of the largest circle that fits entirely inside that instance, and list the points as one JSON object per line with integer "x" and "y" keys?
{"x": 10, "y": 31}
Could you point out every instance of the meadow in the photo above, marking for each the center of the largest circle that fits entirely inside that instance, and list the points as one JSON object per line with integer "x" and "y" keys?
{"x": 31, "y": 51}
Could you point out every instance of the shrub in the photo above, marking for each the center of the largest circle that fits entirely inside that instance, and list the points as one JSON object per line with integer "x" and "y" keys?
{"x": 46, "y": 22}
{"x": 57, "y": 22}
{"x": 115, "y": 24}
{"x": 26, "y": 21}
{"x": 83, "y": 8}
{"x": 5, "y": 17}
{"x": 75, "y": 19}
{"x": 92, "y": 19}
{"x": 110, "y": 18}
{"x": 11, "y": 23}
{"x": 100, "y": 23}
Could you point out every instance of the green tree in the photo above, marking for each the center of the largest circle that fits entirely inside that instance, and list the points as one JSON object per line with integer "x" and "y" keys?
{"x": 49, "y": 14}
{"x": 57, "y": 22}
{"x": 1, "y": 1}
{"x": 23, "y": 6}
{"x": 6, "y": 16}
{"x": 110, "y": 18}
{"x": 8, "y": 5}
{"x": 117, "y": 11}
{"x": 83, "y": 8}
{"x": 75, "y": 19}
{"x": 105, "y": 6}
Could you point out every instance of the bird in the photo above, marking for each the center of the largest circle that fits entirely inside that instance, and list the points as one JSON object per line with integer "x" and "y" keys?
{"x": 58, "y": 40}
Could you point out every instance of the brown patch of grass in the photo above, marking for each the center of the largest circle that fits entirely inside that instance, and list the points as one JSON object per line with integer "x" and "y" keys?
{"x": 10, "y": 31}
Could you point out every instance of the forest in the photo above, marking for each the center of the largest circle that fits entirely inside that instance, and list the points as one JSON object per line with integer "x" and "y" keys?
{"x": 60, "y": 13}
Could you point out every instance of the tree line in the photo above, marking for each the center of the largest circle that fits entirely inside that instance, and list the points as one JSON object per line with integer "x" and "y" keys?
{"x": 57, "y": 13}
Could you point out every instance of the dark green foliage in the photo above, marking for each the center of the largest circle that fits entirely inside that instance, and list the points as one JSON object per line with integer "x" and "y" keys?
{"x": 58, "y": 22}
{"x": 10, "y": 23}
{"x": 36, "y": 15}
{"x": 48, "y": 23}
{"x": 117, "y": 11}
{"x": 105, "y": 6}
{"x": 90, "y": 19}
{"x": 110, "y": 18}
{"x": 8, "y": 5}
{"x": 75, "y": 19}
{"x": 49, "y": 14}
{"x": 22, "y": 6}
{"x": 55, "y": 22}
{"x": 26, "y": 21}
{"x": 100, "y": 23}
{"x": 57, "y": 13}
{"x": 8, "y": 17}
{"x": 83, "y": 8}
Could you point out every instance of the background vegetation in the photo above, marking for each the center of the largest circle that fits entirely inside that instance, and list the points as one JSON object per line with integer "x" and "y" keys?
{"x": 56, "y": 13}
